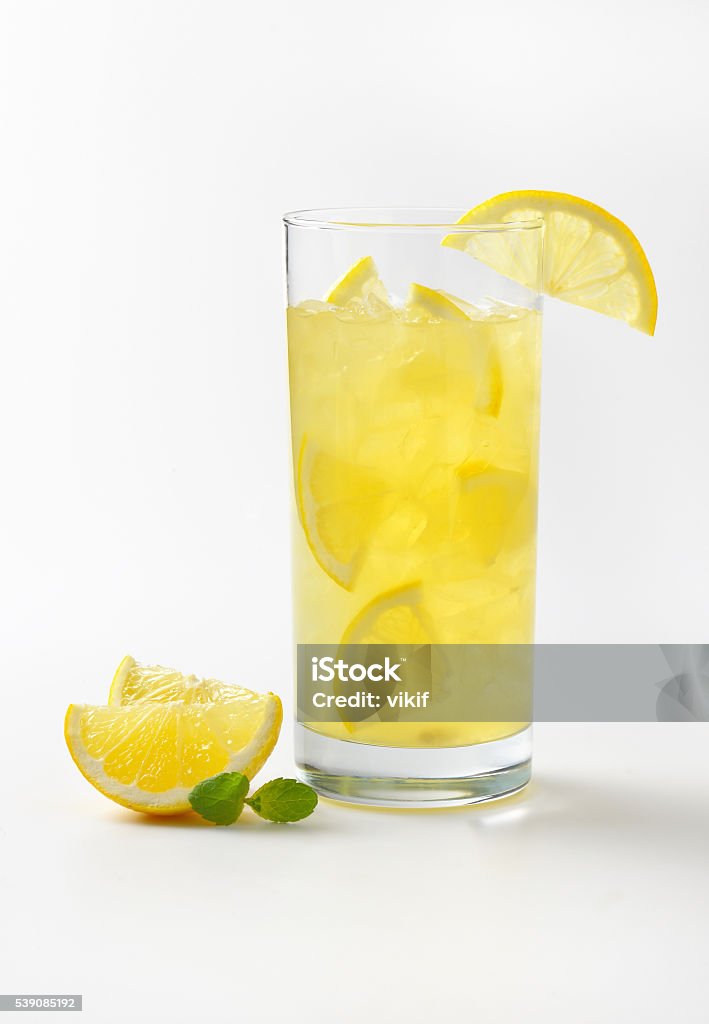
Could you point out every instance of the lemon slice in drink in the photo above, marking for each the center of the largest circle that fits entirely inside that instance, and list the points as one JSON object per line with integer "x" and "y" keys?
{"x": 434, "y": 303}
{"x": 441, "y": 305}
{"x": 148, "y": 753}
{"x": 489, "y": 499}
{"x": 395, "y": 617}
{"x": 591, "y": 258}
{"x": 340, "y": 507}
{"x": 361, "y": 282}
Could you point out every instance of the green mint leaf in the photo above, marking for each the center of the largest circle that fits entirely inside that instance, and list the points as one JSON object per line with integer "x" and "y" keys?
{"x": 284, "y": 800}
{"x": 221, "y": 798}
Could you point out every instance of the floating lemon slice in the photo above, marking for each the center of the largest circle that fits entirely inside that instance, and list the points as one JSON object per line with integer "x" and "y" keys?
{"x": 441, "y": 305}
{"x": 434, "y": 303}
{"x": 361, "y": 282}
{"x": 591, "y": 258}
{"x": 147, "y": 752}
{"x": 489, "y": 498}
{"x": 395, "y": 617}
{"x": 340, "y": 508}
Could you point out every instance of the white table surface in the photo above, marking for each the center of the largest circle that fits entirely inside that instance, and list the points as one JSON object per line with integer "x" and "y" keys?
{"x": 585, "y": 899}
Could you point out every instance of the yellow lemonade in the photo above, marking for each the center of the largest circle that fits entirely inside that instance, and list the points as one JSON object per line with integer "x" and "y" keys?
{"x": 415, "y": 438}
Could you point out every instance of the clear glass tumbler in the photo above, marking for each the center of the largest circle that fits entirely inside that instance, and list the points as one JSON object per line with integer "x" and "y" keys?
{"x": 414, "y": 384}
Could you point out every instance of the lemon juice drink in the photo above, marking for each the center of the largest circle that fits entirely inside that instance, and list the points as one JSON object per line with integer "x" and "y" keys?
{"x": 415, "y": 425}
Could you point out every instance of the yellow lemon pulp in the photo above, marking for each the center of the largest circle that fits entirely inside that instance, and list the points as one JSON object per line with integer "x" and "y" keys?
{"x": 134, "y": 682}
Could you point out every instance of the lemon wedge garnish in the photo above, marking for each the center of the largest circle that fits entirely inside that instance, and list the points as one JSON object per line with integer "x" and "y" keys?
{"x": 591, "y": 258}
{"x": 163, "y": 733}
{"x": 361, "y": 282}
{"x": 339, "y": 505}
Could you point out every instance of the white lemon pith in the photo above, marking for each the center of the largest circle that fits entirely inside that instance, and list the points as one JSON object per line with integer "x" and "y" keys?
{"x": 591, "y": 258}
{"x": 163, "y": 732}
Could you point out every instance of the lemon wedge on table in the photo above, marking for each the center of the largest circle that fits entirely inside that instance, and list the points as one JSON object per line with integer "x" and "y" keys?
{"x": 162, "y": 733}
{"x": 591, "y": 258}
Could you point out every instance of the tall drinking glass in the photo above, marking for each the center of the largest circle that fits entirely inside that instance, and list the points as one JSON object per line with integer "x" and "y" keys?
{"x": 414, "y": 384}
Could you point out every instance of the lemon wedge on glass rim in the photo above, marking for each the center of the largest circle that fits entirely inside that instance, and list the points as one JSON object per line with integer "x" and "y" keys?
{"x": 591, "y": 258}
{"x": 162, "y": 733}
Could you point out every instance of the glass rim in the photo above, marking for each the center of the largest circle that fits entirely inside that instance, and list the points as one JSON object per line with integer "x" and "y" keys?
{"x": 366, "y": 218}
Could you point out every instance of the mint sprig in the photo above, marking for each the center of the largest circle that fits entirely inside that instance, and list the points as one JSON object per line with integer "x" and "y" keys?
{"x": 221, "y": 799}
{"x": 283, "y": 800}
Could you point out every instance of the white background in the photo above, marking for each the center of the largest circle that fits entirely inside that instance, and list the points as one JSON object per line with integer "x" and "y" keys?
{"x": 148, "y": 151}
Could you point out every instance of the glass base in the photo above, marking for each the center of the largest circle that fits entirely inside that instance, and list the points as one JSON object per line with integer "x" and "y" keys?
{"x": 360, "y": 773}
